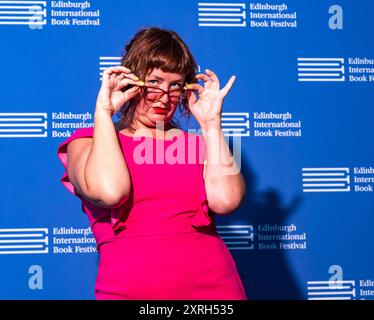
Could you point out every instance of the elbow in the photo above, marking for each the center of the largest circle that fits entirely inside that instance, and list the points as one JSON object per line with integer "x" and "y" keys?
{"x": 224, "y": 206}
{"x": 114, "y": 200}
{"x": 227, "y": 198}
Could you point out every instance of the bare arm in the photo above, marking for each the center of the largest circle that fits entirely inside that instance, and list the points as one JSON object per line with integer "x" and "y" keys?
{"x": 96, "y": 166}
{"x": 224, "y": 184}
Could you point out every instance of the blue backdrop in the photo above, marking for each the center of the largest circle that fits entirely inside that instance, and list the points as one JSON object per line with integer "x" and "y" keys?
{"x": 301, "y": 105}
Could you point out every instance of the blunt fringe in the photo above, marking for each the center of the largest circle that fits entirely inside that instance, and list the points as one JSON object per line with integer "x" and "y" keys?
{"x": 158, "y": 48}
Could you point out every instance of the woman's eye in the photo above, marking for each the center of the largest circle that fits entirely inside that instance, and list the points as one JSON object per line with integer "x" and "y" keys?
{"x": 176, "y": 85}
{"x": 152, "y": 81}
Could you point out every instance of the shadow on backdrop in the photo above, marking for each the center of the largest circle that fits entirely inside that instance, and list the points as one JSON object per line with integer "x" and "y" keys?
{"x": 266, "y": 274}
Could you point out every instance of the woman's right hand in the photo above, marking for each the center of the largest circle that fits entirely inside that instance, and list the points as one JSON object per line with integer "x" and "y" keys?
{"x": 111, "y": 97}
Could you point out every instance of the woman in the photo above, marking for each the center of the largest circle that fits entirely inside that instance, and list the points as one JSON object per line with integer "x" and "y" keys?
{"x": 153, "y": 212}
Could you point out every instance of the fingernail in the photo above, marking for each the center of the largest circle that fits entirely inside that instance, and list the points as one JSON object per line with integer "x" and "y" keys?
{"x": 141, "y": 83}
{"x": 136, "y": 78}
{"x": 190, "y": 86}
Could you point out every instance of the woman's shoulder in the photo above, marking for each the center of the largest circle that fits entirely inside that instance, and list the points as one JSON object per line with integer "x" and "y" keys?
{"x": 83, "y": 132}
{"x": 78, "y": 133}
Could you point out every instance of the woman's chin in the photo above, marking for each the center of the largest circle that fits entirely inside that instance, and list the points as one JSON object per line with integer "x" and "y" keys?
{"x": 162, "y": 116}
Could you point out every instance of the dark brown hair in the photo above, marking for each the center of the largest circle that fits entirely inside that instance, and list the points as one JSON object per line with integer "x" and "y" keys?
{"x": 162, "y": 49}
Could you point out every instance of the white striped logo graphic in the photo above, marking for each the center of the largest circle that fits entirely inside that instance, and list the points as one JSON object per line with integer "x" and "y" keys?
{"x": 235, "y": 123}
{"x": 331, "y": 290}
{"x": 23, "y": 12}
{"x": 23, "y": 125}
{"x": 326, "y": 180}
{"x": 107, "y": 62}
{"x": 222, "y": 14}
{"x": 24, "y": 241}
{"x": 320, "y": 69}
{"x": 237, "y": 237}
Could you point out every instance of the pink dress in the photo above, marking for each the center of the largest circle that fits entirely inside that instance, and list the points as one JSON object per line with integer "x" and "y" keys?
{"x": 162, "y": 243}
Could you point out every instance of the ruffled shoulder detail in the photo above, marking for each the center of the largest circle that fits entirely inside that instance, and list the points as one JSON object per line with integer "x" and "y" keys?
{"x": 63, "y": 156}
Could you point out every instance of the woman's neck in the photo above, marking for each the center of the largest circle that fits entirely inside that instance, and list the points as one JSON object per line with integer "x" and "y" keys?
{"x": 158, "y": 131}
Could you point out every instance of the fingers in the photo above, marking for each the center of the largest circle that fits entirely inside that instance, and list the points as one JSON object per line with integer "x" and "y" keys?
{"x": 120, "y": 73}
{"x": 228, "y": 86}
{"x": 125, "y": 82}
{"x": 212, "y": 75}
{"x": 113, "y": 70}
{"x": 195, "y": 86}
{"x": 203, "y": 77}
{"x": 121, "y": 76}
{"x": 132, "y": 92}
{"x": 210, "y": 79}
{"x": 191, "y": 98}
{"x": 127, "y": 96}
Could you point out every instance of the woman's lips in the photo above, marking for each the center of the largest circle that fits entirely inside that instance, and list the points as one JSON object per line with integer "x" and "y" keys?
{"x": 160, "y": 110}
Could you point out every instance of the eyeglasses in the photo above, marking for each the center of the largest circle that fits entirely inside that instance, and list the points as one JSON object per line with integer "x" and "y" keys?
{"x": 155, "y": 93}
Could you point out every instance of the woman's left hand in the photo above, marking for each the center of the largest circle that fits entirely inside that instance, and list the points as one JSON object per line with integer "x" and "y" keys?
{"x": 207, "y": 109}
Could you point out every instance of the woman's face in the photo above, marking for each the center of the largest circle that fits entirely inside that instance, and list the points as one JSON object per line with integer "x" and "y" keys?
{"x": 152, "y": 109}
